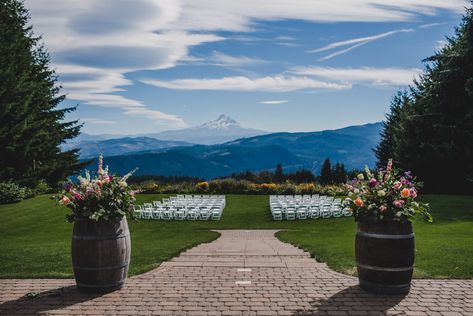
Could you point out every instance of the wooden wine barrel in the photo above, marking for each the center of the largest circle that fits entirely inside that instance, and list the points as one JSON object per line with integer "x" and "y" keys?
{"x": 100, "y": 255}
{"x": 385, "y": 253}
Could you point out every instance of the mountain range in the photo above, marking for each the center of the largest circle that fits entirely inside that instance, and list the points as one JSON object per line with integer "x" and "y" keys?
{"x": 221, "y": 130}
{"x": 351, "y": 145}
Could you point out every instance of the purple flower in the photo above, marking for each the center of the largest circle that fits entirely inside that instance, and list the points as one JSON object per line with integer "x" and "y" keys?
{"x": 68, "y": 187}
{"x": 373, "y": 182}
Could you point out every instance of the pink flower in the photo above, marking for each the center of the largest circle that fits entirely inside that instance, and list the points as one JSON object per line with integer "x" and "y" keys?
{"x": 383, "y": 208}
{"x": 389, "y": 167}
{"x": 106, "y": 180}
{"x": 99, "y": 183}
{"x": 397, "y": 185}
{"x": 100, "y": 163}
{"x": 398, "y": 203}
{"x": 77, "y": 196}
{"x": 413, "y": 193}
{"x": 65, "y": 200}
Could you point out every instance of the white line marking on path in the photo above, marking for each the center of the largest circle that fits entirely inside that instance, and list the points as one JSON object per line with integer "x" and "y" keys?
{"x": 243, "y": 282}
{"x": 243, "y": 270}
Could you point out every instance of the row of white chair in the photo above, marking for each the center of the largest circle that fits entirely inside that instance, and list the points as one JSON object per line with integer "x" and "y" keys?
{"x": 286, "y": 207}
{"x": 183, "y": 208}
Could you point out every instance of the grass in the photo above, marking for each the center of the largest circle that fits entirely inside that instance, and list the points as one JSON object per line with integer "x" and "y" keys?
{"x": 36, "y": 238}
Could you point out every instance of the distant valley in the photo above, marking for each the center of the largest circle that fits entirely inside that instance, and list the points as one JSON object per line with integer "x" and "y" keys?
{"x": 351, "y": 145}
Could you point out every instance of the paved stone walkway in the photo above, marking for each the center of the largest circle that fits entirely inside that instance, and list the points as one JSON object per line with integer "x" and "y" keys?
{"x": 241, "y": 273}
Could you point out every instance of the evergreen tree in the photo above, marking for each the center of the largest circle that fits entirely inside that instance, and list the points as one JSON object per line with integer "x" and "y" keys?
{"x": 433, "y": 136}
{"x": 278, "y": 174}
{"x": 326, "y": 172}
{"x": 302, "y": 176}
{"x": 339, "y": 174}
{"x": 392, "y": 128}
{"x": 32, "y": 127}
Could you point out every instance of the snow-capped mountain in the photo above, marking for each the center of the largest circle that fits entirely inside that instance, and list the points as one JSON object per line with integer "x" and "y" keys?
{"x": 222, "y": 122}
{"x": 221, "y": 130}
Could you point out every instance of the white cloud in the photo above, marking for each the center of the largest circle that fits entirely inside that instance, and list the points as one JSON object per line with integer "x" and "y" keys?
{"x": 364, "y": 75}
{"x": 274, "y": 102}
{"x": 97, "y": 121}
{"x": 223, "y": 60}
{"x": 354, "y": 42}
{"x": 429, "y": 25}
{"x": 240, "y": 83}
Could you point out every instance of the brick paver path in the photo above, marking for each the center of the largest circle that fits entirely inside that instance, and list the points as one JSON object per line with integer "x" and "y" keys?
{"x": 241, "y": 273}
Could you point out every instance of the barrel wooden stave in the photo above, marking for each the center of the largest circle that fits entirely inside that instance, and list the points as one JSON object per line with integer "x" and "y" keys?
{"x": 100, "y": 255}
{"x": 385, "y": 252}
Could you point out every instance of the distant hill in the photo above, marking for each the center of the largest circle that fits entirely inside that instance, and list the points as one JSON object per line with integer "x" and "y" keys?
{"x": 351, "y": 146}
{"x": 223, "y": 129}
{"x": 122, "y": 146}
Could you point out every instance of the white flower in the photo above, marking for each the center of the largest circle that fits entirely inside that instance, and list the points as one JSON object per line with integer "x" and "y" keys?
{"x": 361, "y": 176}
{"x": 356, "y": 191}
{"x": 381, "y": 193}
{"x": 123, "y": 184}
{"x": 368, "y": 172}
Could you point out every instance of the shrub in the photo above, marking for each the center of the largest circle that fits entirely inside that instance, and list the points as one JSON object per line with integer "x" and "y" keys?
{"x": 202, "y": 186}
{"x": 11, "y": 192}
{"x": 42, "y": 187}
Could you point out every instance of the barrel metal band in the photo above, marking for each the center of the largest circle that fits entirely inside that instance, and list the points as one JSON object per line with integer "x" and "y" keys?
{"x": 365, "y": 266}
{"x": 108, "y": 237}
{"x": 118, "y": 266}
{"x": 385, "y": 236}
{"x": 100, "y": 286}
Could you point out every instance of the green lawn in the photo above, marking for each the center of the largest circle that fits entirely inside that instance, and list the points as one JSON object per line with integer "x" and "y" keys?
{"x": 36, "y": 239}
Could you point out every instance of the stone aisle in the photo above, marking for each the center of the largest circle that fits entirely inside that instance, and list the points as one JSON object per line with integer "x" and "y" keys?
{"x": 244, "y": 272}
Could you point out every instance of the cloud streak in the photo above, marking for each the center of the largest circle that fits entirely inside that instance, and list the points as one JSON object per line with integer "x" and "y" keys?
{"x": 364, "y": 75}
{"x": 354, "y": 43}
{"x": 271, "y": 102}
{"x": 241, "y": 83}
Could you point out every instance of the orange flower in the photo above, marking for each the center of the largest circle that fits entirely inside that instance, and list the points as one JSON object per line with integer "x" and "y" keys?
{"x": 359, "y": 202}
{"x": 405, "y": 192}
{"x": 65, "y": 200}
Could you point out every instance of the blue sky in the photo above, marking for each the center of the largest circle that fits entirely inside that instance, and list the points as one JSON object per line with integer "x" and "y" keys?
{"x": 140, "y": 66}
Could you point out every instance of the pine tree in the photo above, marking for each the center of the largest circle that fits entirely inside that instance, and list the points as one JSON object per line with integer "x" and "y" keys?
{"x": 32, "y": 125}
{"x": 433, "y": 135}
{"x": 339, "y": 174}
{"x": 326, "y": 172}
{"x": 278, "y": 174}
{"x": 392, "y": 128}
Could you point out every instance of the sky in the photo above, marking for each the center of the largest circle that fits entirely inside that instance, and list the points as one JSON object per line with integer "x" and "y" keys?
{"x": 144, "y": 66}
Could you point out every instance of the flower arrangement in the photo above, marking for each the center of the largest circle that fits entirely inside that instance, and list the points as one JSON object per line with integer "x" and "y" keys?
{"x": 387, "y": 195}
{"x": 105, "y": 196}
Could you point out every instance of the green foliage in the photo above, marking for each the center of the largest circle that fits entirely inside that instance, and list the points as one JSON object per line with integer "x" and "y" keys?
{"x": 233, "y": 186}
{"x": 430, "y": 127}
{"x": 11, "y": 192}
{"x": 32, "y": 127}
{"x": 266, "y": 176}
{"x": 329, "y": 175}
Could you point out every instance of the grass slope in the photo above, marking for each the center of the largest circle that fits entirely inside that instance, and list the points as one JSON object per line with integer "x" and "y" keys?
{"x": 36, "y": 238}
